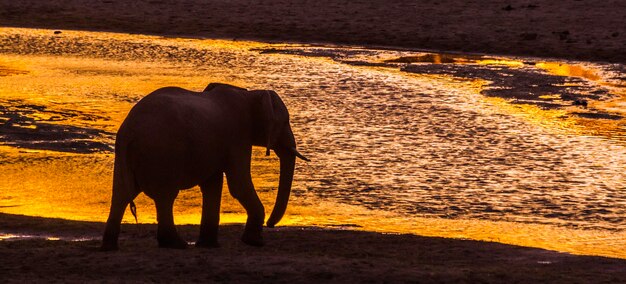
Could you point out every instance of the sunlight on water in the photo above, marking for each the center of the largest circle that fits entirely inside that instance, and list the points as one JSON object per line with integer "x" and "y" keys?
{"x": 616, "y": 86}
{"x": 15, "y": 237}
{"x": 393, "y": 151}
{"x": 85, "y": 181}
{"x": 562, "y": 69}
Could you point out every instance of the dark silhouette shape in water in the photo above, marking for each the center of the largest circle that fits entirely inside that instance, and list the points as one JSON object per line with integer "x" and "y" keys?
{"x": 22, "y": 129}
{"x": 175, "y": 139}
{"x": 582, "y": 103}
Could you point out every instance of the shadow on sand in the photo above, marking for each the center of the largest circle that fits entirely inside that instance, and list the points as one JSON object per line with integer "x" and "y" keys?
{"x": 292, "y": 254}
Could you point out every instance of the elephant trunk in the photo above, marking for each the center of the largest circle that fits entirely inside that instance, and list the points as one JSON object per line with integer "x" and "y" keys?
{"x": 287, "y": 165}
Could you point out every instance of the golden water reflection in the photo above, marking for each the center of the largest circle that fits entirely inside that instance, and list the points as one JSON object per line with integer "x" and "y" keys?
{"x": 44, "y": 186}
{"x": 443, "y": 58}
{"x": 465, "y": 162}
{"x": 563, "y": 69}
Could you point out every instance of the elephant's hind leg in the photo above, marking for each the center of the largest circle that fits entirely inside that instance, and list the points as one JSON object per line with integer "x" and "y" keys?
{"x": 211, "y": 199}
{"x": 166, "y": 232}
{"x": 119, "y": 201}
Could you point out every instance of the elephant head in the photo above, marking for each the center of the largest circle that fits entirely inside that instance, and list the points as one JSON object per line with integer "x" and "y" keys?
{"x": 277, "y": 135}
{"x": 273, "y": 131}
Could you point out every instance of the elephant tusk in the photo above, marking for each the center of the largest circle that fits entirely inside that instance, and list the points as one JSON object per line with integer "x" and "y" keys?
{"x": 295, "y": 152}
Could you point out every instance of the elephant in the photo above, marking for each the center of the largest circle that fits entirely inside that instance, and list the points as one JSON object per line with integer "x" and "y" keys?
{"x": 174, "y": 139}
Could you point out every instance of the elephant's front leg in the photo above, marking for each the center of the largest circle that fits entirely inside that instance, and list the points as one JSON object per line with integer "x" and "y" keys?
{"x": 211, "y": 199}
{"x": 166, "y": 232}
{"x": 241, "y": 187}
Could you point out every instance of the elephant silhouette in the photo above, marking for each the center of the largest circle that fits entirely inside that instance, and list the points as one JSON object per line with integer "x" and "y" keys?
{"x": 175, "y": 139}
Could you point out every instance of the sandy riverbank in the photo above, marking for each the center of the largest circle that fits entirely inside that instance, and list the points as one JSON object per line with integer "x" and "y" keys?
{"x": 292, "y": 254}
{"x": 581, "y": 29}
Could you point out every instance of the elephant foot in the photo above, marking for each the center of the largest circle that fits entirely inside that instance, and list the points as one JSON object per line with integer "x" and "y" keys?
{"x": 207, "y": 244}
{"x": 253, "y": 237}
{"x": 109, "y": 239}
{"x": 108, "y": 247}
{"x": 109, "y": 243}
{"x": 169, "y": 238}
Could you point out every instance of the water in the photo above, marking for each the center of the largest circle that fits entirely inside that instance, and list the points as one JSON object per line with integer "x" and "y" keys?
{"x": 401, "y": 141}
{"x": 20, "y": 237}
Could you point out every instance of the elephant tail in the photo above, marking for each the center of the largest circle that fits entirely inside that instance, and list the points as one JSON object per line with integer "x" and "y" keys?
{"x": 125, "y": 186}
{"x": 133, "y": 209}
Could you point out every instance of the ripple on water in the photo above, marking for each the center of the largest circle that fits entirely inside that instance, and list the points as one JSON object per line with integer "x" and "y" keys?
{"x": 6, "y": 71}
{"x": 406, "y": 142}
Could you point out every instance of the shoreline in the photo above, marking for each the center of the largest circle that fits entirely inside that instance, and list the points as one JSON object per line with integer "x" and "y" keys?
{"x": 580, "y": 30}
{"x": 292, "y": 254}
{"x": 322, "y": 44}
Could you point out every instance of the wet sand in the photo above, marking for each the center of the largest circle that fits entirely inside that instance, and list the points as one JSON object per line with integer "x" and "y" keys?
{"x": 582, "y": 30}
{"x": 292, "y": 254}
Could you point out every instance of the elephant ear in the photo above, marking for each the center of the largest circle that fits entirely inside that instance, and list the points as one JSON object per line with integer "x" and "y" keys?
{"x": 275, "y": 116}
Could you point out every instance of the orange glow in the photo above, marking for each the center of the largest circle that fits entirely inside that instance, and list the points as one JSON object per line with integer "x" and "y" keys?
{"x": 99, "y": 93}
{"x": 562, "y": 69}
{"x": 507, "y": 62}
{"x": 85, "y": 183}
{"x": 442, "y": 58}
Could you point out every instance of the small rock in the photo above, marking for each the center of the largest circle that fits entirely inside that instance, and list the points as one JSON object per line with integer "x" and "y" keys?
{"x": 57, "y": 32}
{"x": 508, "y": 8}
{"x": 615, "y": 34}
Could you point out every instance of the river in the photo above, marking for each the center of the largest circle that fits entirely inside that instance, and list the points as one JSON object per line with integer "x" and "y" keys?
{"x": 524, "y": 151}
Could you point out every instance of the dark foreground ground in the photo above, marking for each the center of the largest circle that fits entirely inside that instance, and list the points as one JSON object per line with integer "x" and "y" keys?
{"x": 293, "y": 254}
{"x": 576, "y": 29}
